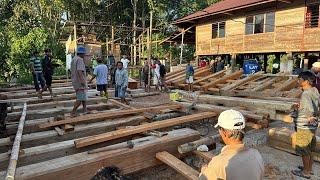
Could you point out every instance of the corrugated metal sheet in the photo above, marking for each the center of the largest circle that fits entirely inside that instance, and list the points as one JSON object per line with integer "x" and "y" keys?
{"x": 220, "y": 7}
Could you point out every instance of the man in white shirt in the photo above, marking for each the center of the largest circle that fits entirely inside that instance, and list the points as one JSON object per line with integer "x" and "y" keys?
{"x": 125, "y": 61}
{"x": 101, "y": 73}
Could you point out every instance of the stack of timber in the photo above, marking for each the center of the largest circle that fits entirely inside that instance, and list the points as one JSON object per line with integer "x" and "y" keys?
{"x": 259, "y": 85}
{"x": 54, "y": 145}
{"x": 274, "y": 109}
{"x": 282, "y": 138}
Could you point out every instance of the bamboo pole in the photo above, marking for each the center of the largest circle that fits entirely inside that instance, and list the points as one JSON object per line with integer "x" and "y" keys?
{"x": 16, "y": 146}
{"x": 181, "y": 51}
{"x": 150, "y": 50}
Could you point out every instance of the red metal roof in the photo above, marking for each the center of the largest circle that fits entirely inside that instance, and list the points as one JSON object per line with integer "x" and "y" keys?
{"x": 222, "y": 6}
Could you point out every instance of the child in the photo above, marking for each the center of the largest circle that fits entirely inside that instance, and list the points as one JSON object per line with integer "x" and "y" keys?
{"x": 101, "y": 73}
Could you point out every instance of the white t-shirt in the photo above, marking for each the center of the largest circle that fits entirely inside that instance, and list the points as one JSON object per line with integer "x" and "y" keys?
{"x": 101, "y": 72}
{"x": 125, "y": 62}
{"x": 157, "y": 70}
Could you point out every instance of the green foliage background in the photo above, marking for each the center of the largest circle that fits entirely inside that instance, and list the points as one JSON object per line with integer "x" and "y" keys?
{"x": 29, "y": 25}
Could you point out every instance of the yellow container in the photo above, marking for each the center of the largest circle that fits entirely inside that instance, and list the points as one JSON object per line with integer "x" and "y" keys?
{"x": 176, "y": 96}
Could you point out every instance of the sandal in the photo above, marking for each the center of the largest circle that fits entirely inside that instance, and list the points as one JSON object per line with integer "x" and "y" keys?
{"x": 301, "y": 168}
{"x": 300, "y": 174}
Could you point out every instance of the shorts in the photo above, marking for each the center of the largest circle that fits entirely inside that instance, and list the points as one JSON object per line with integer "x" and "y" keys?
{"x": 305, "y": 141}
{"x": 121, "y": 91}
{"x": 189, "y": 80}
{"x": 48, "y": 78}
{"x": 146, "y": 76}
{"x": 101, "y": 87}
{"x": 81, "y": 95}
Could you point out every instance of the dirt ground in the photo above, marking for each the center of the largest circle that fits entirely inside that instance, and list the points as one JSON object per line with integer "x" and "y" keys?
{"x": 278, "y": 164}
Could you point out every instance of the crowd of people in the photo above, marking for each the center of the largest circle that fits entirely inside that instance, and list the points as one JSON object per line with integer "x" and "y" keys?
{"x": 235, "y": 160}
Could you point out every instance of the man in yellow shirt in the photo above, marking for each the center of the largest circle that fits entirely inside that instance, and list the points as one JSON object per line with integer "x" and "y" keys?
{"x": 235, "y": 162}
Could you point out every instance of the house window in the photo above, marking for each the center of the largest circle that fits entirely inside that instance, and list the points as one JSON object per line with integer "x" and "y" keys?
{"x": 222, "y": 29}
{"x": 249, "y": 25}
{"x": 312, "y": 16}
{"x": 270, "y": 19}
{"x": 218, "y": 30}
{"x": 258, "y": 23}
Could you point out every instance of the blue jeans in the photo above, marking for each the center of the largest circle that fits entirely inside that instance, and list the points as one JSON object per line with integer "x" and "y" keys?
{"x": 38, "y": 77}
{"x": 121, "y": 91}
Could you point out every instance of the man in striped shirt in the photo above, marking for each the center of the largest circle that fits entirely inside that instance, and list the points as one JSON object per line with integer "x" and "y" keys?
{"x": 36, "y": 69}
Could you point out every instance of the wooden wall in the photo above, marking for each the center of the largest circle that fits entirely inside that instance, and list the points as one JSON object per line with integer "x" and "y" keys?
{"x": 289, "y": 36}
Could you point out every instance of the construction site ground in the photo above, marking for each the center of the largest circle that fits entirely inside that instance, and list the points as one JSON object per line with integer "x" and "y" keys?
{"x": 278, "y": 164}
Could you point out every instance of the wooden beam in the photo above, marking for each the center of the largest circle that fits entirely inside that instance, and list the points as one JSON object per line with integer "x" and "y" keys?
{"x": 10, "y": 175}
{"x": 242, "y": 81}
{"x": 234, "y": 75}
{"x": 83, "y": 166}
{"x": 288, "y": 85}
{"x": 105, "y": 115}
{"x": 267, "y": 84}
{"x": 142, "y": 128}
{"x": 83, "y": 130}
{"x": 215, "y": 75}
{"x": 178, "y": 165}
{"x": 192, "y": 146}
{"x": 243, "y": 102}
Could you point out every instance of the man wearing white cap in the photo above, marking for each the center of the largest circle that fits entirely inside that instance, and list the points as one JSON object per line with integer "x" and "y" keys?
{"x": 316, "y": 71}
{"x": 235, "y": 162}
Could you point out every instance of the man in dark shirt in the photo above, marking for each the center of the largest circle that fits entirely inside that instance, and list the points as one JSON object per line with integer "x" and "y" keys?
{"x": 48, "y": 68}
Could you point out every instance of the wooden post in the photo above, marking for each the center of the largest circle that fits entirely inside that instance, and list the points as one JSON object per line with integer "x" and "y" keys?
{"x": 107, "y": 46}
{"x": 305, "y": 64}
{"x": 233, "y": 62}
{"x": 181, "y": 50}
{"x": 112, "y": 39}
{"x": 75, "y": 38}
{"x": 134, "y": 3}
{"x": 16, "y": 146}
{"x": 170, "y": 56}
{"x": 150, "y": 50}
{"x": 265, "y": 62}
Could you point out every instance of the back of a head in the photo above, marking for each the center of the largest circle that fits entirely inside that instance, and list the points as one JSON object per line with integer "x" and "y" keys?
{"x": 108, "y": 173}
{"x": 307, "y": 76}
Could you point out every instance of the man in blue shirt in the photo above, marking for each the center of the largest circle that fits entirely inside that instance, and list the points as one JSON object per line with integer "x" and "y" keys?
{"x": 101, "y": 74}
{"x": 36, "y": 69}
{"x": 189, "y": 76}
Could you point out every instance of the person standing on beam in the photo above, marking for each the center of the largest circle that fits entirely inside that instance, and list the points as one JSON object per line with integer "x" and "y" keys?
{"x": 79, "y": 80}
{"x": 121, "y": 82}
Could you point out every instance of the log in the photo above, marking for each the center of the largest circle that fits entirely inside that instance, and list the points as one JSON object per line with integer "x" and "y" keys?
{"x": 285, "y": 135}
{"x": 106, "y": 115}
{"x": 242, "y": 81}
{"x": 215, "y": 75}
{"x": 220, "y": 109}
{"x": 142, "y": 128}
{"x": 192, "y": 146}
{"x": 200, "y": 72}
{"x": 16, "y": 146}
{"x": 288, "y": 85}
{"x": 178, "y": 165}
{"x": 244, "y": 102}
{"x": 267, "y": 84}
{"x": 144, "y": 94}
{"x": 83, "y": 166}
{"x": 45, "y": 137}
{"x": 234, "y": 75}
